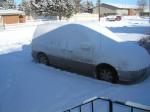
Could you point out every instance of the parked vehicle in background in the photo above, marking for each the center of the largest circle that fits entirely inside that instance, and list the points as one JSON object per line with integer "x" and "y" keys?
{"x": 118, "y": 18}
{"x": 91, "y": 49}
{"x": 113, "y": 18}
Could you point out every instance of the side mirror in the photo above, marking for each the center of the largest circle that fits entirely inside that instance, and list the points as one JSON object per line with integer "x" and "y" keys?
{"x": 85, "y": 46}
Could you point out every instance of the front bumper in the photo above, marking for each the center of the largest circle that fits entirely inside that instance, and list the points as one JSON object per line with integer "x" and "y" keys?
{"x": 131, "y": 76}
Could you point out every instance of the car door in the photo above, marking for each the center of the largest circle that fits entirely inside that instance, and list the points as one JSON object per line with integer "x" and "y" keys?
{"x": 81, "y": 53}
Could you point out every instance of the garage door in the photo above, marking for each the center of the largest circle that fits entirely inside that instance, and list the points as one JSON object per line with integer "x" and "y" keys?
{"x": 11, "y": 19}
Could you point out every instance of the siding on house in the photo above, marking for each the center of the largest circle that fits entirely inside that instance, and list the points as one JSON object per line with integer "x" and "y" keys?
{"x": 122, "y": 11}
{"x": 104, "y": 10}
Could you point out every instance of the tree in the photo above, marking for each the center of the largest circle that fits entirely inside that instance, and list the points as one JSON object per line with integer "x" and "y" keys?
{"x": 26, "y": 7}
{"x": 60, "y": 8}
{"x": 98, "y": 4}
{"x": 142, "y": 4}
{"x": 87, "y": 6}
{"x": 77, "y": 5}
{"x": 8, "y": 4}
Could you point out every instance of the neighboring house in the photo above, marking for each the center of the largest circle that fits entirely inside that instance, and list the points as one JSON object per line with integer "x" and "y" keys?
{"x": 86, "y": 8}
{"x": 10, "y": 16}
{"x": 146, "y": 12}
{"x": 113, "y": 9}
{"x": 105, "y": 9}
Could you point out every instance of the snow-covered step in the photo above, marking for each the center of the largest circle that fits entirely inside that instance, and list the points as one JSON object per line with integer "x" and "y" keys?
{"x": 137, "y": 105}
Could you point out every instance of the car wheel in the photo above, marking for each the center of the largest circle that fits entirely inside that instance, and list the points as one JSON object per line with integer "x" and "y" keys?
{"x": 43, "y": 59}
{"x": 107, "y": 74}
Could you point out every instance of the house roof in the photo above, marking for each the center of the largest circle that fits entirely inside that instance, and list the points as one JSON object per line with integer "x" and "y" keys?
{"x": 11, "y": 12}
{"x": 119, "y": 6}
{"x": 108, "y": 6}
{"x": 124, "y": 6}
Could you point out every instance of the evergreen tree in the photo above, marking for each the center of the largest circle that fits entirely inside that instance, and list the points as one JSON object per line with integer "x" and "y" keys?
{"x": 90, "y": 4}
{"x": 77, "y": 5}
{"x": 61, "y": 8}
{"x": 8, "y": 4}
{"x": 26, "y": 7}
{"x": 87, "y": 6}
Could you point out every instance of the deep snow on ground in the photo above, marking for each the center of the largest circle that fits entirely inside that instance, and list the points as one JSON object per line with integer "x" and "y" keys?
{"x": 26, "y": 86}
{"x": 130, "y": 28}
{"x": 12, "y": 38}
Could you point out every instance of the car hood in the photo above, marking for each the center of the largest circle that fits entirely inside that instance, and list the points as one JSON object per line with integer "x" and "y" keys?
{"x": 135, "y": 56}
{"x": 125, "y": 56}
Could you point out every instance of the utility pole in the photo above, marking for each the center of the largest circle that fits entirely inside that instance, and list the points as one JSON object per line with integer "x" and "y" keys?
{"x": 99, "y": 9}
{"x": 149, "y": 11}
{"x": 87, "y": 6}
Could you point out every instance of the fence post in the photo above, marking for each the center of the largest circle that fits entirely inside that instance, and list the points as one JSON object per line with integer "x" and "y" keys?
{"x": 131, "y": 109}
{"x": 3, "y": 22}
{"x": 92, "y": 106}
{"x": 110, "y": 106}
{"x": 80, "y": 108}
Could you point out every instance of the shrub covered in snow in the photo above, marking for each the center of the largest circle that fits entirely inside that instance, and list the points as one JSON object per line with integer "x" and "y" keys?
{"x": 145, "y": 42}
{"x": 60, "y": 8}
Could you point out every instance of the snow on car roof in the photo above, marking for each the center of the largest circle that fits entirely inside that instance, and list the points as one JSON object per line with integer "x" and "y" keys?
{"x": 96, "y": 26}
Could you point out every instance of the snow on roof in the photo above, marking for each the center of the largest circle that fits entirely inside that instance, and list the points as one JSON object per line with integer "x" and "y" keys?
{"x": 11, "y": 11}
{"x": 123, "y": 6}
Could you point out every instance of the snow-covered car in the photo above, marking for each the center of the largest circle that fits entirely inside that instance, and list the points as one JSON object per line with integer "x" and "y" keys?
{"x": 91, "y": 49}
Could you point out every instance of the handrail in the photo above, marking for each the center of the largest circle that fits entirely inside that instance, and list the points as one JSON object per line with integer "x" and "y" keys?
{"x": 131, "y": 105}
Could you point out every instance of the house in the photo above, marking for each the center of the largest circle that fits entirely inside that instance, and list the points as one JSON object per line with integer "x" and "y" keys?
{"x": 86, "y": 7}
{"x": 10, "y": 16}
{"x": 115, "y": 9}
{"x": 146, "y": 12}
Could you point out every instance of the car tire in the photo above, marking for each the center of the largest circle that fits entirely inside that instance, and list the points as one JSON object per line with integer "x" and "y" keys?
{"x": 43, "y": 59}
{"x": 108, "y": 74}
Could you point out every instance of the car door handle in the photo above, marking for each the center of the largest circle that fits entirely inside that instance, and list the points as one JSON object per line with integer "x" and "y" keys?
{"x": 69, "y": 50}
{"x": 66, "y": 50}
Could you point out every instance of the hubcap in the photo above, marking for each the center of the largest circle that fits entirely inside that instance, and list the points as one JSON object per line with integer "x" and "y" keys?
{"x": 106, "y": 75}
{"x": 43, "y": 59}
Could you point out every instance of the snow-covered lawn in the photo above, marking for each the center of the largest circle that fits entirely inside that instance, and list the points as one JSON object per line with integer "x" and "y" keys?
{"x": 26, "y": 86}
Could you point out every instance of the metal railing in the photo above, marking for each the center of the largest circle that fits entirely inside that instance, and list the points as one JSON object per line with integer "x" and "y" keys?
{"x": 132, "y": 107}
